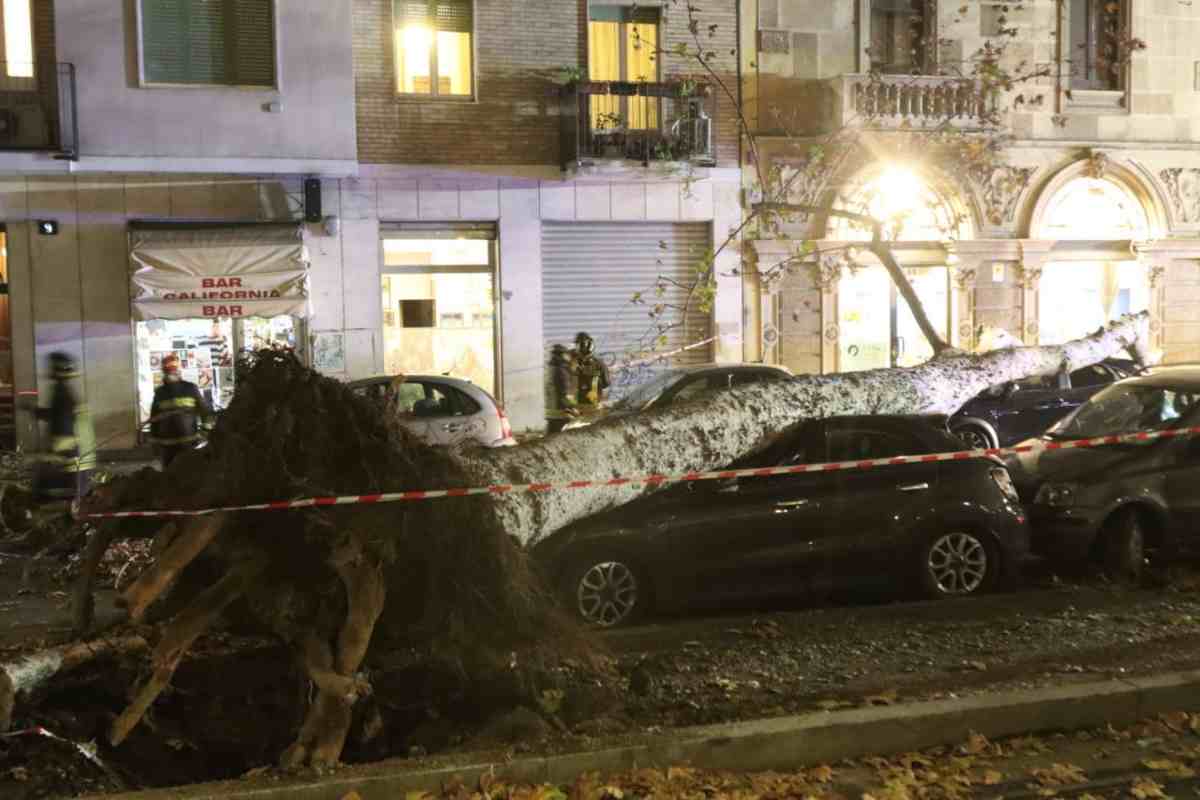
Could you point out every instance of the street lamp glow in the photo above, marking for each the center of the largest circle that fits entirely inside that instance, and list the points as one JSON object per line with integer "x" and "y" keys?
{"x": 898, "y": 193}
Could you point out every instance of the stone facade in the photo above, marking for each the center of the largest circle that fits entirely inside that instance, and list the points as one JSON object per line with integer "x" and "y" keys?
{"x": 1139, "y": 135}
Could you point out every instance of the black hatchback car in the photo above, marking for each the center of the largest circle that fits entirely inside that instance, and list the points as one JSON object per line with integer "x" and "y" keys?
{"x": 1119, "y": 503}
{"x": 1018, "y": 410}
{"x": 950, "y": 528}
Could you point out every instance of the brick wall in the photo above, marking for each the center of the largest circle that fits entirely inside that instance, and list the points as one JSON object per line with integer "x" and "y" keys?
{"x": 520, "y": 46}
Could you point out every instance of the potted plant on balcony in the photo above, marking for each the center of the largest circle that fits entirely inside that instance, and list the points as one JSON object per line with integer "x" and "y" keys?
{"x": 609, "y": 135}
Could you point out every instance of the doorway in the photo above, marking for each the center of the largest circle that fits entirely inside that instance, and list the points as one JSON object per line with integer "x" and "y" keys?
{"x": 876, "y": 328}
{"x": 438, "y": 291}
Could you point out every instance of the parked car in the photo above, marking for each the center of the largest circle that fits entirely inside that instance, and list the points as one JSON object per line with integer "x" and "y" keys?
{"x": 1011, "y": 412}
{"x": 949, "y": 528}
{"x": 684, "y": 384}
{"x": 442, "y": 410}
{"x": 1118, "y": 503}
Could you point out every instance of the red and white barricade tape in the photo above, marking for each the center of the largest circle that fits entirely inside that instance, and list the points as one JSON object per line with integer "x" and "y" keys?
{"x": 654, "y": 480}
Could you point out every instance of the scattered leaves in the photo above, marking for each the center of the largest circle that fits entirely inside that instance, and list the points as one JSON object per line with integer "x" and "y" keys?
{"x": 1146, "y": 789}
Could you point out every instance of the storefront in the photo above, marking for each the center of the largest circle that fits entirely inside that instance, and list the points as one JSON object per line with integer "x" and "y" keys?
{"x": 438, "y": 287}
{"x": 206, "y": 293}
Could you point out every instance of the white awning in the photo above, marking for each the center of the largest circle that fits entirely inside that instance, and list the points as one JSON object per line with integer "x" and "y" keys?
{"x": 218, "y": 271}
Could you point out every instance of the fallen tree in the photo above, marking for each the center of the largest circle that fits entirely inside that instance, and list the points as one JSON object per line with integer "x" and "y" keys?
{"x": 449, "y": 575}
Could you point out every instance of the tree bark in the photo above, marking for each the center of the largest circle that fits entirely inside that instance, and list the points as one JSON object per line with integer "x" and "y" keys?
{"x": 731, "y": 424}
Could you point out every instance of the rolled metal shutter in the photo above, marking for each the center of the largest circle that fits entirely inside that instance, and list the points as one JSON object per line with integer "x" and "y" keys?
{"x": 591, "y": 272}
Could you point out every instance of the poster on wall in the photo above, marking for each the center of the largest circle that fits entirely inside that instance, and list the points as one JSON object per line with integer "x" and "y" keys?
{"x": 329, "y": 352}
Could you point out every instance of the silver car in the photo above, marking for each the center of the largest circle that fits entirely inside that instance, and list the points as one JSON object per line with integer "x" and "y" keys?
{"x": 442, "y": 410}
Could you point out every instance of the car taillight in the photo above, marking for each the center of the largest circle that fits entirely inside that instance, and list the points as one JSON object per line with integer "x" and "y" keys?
{"x": 505, "y": 427}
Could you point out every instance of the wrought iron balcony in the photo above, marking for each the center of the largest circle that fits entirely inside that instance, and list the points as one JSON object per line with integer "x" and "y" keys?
{"x": 37, "y": 108}
{"x": 908, "y": 101}
{"x": 613, "y": 122}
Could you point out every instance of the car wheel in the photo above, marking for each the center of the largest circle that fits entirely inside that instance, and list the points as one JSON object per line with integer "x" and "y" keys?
{"x": 958, "y": 563}
{"x": 1124, "y": 546}
{"x": 607, "y": 591}
{"x": 975, "y": 437}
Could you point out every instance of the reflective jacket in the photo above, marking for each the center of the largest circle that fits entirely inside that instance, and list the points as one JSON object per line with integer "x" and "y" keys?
{"x": 558, "y": 395}
{"x": 72, "y": 440}
{"x": 592, "y": 374}
{"x": 176, "y": 412}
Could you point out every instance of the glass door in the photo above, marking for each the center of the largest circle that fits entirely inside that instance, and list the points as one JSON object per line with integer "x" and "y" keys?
{"x": 876, "y": 327}
{"x": 439, "y": 308}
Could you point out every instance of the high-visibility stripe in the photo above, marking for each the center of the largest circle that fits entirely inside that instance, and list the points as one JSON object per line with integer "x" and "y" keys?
{"x": 61, "y": 444}
{"x": 178, "y": 402}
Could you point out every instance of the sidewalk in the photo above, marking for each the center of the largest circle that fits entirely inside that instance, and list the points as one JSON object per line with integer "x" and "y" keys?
{"x": 814, "y": 740}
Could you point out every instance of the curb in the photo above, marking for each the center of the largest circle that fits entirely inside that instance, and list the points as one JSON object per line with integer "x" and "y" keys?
{"x": 778, "y": 743}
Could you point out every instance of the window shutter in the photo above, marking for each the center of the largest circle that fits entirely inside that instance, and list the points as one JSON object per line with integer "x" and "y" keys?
{"x": 410, "y": 12}
{"x": 454, "y": 15}
{"x": 253, "y": 42}
{"x": 219, "y": 42}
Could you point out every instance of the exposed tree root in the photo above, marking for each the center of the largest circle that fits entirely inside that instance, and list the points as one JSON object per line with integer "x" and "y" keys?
{"x": 26, "y": 675}
{"x": 195, "y": 535}
{"x": 323, "y": 734}
{"x": 83, "y": 598}
{"x": 178, "y": 637}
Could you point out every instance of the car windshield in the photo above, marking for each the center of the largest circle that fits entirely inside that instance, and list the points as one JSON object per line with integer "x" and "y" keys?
{"x": 1126, "y": 408}
{"x": 648, "y": 391}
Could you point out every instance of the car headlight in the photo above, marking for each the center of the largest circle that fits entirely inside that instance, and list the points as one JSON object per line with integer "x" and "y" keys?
{"x": 1004, "y": 481}
{"x": 1056, "y": 495}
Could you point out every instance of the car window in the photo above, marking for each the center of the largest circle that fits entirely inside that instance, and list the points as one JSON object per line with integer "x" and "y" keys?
{"x": 406, "y": 396}
{"x": 857, "y": 444}
{"x": 1094, "y": 375}
{"x": 697, "y": 386}
{"x": 1126, "y": 408}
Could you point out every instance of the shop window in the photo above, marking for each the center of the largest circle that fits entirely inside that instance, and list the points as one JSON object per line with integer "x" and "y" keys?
{"x": 19, "y": 57}
{"x": 903, "y": 38}
{"x": 208, "y": 42}
{"x": 1094, "y": 29}
{"x": 1100, "y": 291}
{"x": 434, "y": 43}
{"x": 622, "y": 46}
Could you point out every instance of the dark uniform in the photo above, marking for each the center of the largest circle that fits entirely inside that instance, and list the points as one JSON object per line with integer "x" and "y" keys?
{"x": 64, "y": 472}
{"x": 175, "y": 418}
{"x": 590, "y": 372}
{"x": 560, "y": 405}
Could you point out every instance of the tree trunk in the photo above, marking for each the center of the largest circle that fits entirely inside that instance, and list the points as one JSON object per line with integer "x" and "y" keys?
{"x": 730, "y": 424}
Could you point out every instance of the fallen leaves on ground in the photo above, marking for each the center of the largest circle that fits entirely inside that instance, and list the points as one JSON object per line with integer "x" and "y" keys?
{"x": 1173, "y": 768}
{"x": 1057, "y": 775}
{"x": 1147, "y": 789}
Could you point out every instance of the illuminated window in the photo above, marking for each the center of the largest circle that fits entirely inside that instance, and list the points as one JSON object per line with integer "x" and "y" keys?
{"x": 208, "y": 42}
{"x": 622, "y": 46}
{"x": 434, "y": 47}
{"x": 18, "y": 39}
{"x": 1093, "y": 209}
{"x": 908, "y": 207}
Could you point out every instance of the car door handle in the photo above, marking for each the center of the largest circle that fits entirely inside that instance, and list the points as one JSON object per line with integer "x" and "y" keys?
{"x": 452, "y": 427}
{"x": 793, "y": 503}
{"x": 913, "y": 487}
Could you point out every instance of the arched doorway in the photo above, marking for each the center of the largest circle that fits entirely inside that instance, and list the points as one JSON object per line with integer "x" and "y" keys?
{"x": 875, "y": 327}
{"x": 1098, "y": 279}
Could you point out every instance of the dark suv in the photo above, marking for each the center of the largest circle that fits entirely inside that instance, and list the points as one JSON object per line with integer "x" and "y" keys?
{"x": 950, "y": 528}
{"x": 1118, "y": 503}
{"x": 1020, "y": 409}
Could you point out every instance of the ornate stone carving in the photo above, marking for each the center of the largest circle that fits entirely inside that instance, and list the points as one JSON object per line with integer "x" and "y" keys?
{"x": 1000, "y": 187}
{"x": 964, "y": 279}
{"x": 1028, "y": 277}
{"x": 1155, "y": 274}
{"x": 831, "y": 333}
{"x": 774, "y": 41}
{"x": 1183, "y": 189}
{"x": 1097, "y": 164}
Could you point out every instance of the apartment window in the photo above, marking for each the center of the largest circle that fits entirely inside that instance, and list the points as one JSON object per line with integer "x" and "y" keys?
{"x": 903, "y": 38}
{"x": 434, "y": 47}
{"x": 1094, "y": 32}
{"x": 623, "y": 46}
{"x": 17, "y": 20}
{"x": 208, "y": 42}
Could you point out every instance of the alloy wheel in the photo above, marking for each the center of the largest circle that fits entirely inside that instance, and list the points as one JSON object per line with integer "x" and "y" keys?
{"x": 607, "y": 593}
{"x": 975, "y": 438}
{"x": 958, "y": 563}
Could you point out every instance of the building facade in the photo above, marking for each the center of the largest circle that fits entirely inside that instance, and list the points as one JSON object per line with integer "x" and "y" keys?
{"x": 445, "y": 186}
{"x": 1089, "y": 212}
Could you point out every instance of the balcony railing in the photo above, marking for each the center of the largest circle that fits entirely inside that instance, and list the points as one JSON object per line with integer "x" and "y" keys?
{"x": 614, "y": 122}
{"x": 37, "y": 108}
{"x": 907, "y": 101}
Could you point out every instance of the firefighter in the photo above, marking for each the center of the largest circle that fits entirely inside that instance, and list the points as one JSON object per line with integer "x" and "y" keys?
{"x": 590, "y": 372}
{"x": 176, "y": 413}
{"x": 66, "y": 468}
{"x": 560, "y": 405}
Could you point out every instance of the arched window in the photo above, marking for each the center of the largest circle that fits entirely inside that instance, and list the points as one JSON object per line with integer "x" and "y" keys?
{"x": 913, "y": 211}
{"x": 1076, "y": 297}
